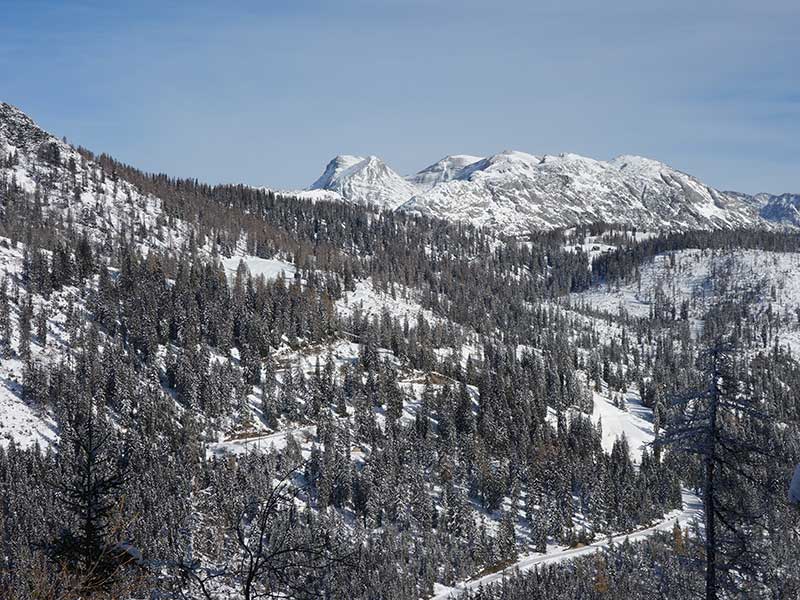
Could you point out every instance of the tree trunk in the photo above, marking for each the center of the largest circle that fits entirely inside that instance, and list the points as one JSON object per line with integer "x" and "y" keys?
{"x": 711, "y": 533}
{"x": 711, "y": 539}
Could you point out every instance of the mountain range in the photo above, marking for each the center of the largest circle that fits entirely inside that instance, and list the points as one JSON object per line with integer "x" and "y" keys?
{"x": 513, "y": 193}
{"x": 516, "y": 193}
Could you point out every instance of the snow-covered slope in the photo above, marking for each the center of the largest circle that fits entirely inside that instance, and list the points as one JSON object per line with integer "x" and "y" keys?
{"x": 25, "y": 422}
{"x": 450, "y": 167}
{"x": 75, "y": 189}
{"x": 691, "y": 511}
{"x": 692, "y": 276}
{"x": 334, "y": 169}
{"x": 516, "y": 193}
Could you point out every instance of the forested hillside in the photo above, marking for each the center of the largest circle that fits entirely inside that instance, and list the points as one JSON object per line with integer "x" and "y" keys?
{"x": 223, "y": 392}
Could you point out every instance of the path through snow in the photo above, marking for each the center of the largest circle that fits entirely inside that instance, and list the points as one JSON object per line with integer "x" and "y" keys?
{"x": 692, "y": 510}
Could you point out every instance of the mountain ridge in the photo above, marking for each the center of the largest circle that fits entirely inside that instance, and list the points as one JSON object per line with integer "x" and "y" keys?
{"x": 512, "y": 192}
{"x": 517, "y": 193}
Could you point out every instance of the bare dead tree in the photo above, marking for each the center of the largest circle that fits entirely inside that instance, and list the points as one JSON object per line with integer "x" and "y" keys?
{"x": 281, "y": 549}
{"x": 719, "y": 425}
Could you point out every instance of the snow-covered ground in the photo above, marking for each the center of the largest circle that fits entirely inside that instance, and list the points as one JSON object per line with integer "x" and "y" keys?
{"x": 260, "y": 443}
{"x": 597, "y": 245}
{"x": 372, "y": 303}
{"x": 692, "y": 510}
{"x": 689, "y": 275}
{"x": 684, "y": 277}
{"x": 104, "y": 202}
{"x": 692, "y": 276}
{"x": 269, "y": 268}
{"x": 21, "y": 420}
{"x": 636, "y": 423}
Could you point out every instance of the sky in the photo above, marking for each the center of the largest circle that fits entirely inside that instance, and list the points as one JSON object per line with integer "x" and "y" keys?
{"x": 266, "y": 93}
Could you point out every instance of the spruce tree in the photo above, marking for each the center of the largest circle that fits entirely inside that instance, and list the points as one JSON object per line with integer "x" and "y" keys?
{"x": 87, "y": 545}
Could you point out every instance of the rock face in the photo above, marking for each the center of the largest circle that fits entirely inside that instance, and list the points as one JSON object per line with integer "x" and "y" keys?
{"x": 782, "y": 208}
{"x": 516, "y": 193}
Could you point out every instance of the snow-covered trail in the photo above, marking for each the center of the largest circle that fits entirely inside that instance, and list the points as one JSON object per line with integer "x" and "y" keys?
{"x": 692, "y": 510}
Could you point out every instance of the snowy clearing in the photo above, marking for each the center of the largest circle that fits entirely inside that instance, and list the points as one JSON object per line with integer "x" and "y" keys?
{"x": 636, "y": 422}
{"x": 269, "y": 268}
{"x": 372, "y": 303}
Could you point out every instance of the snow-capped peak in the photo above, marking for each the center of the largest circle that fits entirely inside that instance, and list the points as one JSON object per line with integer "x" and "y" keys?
{"x": 506, "y": 161}
{"x": 449, "y": 167}
{"x": 365, "y": 181}
{"x": 640, "y": 165}
{"x": 19, "y": 132}
{"x": 334, "y": 169}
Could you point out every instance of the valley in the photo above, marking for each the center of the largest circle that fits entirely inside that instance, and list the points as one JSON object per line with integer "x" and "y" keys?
{"x": 385, "y": 387}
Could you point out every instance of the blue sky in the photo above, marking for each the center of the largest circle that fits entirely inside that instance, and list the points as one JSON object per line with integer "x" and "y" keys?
{"x": 267, "y": 92}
